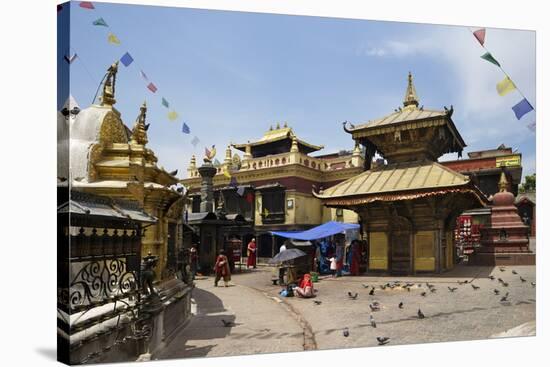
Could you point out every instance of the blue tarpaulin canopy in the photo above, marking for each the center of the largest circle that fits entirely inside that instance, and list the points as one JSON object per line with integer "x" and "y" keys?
{"x": 315, "y": 233}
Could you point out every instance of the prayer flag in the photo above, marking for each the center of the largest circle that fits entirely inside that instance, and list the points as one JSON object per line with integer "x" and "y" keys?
{"x": 217, "y": 162}
{"x": 87, "y": 5}
{"x": 488, "y": 57}
{"x": 505, "y": 86}
{"x": 172, "y": 115}
{"x": 101, "y": 22}
{"x": 480, "y": 35}
{"x": 195, "y": 141}
{"x": 70, "y": 59}
{"x": 126, "y": 59}
{"x": 185, "y": 129}
{"x": 532, "y": 126}
{"x": 240, "y": 190}
{"x": 521, "y": 108}
{"x": 152, "y": 87}
{"x": 165, "y": 102}
{"x": 111, "y": 38}
{"x": 233, "y": 182}
{"x": 143, "y": 75}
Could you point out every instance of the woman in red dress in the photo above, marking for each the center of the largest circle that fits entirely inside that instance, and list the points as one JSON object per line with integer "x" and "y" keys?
{"x": 306, "y": 287}
{"x": 251, "y": 254}
{"x": 355, "y": 257}
{"x": 222, "y": 269}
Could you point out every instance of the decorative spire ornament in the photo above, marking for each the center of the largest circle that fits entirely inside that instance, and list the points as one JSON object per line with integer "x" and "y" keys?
{"x": 108, "y": 95}
{"x": 411, "y": 98}
{"x": 139, "y": 132}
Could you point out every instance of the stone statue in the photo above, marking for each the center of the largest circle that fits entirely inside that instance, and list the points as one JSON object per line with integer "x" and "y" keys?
{"x": 148, "y": 273}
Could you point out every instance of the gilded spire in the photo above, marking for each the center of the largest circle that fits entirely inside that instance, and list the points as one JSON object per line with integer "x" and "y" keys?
{"x": 410, "y": 95}
{"x": 108, "y": 96}
{"x": 503, "y": 182}
{"x": 139, "y": 132}
{"x": 193, "y": 163}
{"x": 228, "y": 155}
{"x": 294, "y": 147}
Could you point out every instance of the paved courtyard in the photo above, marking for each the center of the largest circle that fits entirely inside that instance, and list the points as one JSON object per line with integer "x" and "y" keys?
{"x": 265, "y": 323}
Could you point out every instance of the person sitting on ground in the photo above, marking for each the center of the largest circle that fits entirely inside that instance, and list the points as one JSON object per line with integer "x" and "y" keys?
{"x": 305, "y": 289}
{"x": 222, "y": 269}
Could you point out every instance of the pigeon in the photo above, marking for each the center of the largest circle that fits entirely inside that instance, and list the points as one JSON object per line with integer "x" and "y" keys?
{"x": 420, "y": 314}
{"x": 423, "y": 294}
{"x": 383, "y": 287}
{"x": 432, "y": 290}
{"x": 514, "y": 272}
{"x": 382, "y": 340}
{"x": 352, "y": 296}
{"x": 372, "y": 322}
{"x": 500, "y": 280}
{"x": 376, "y": 303}
{"x": 346, "y": 332}
{"x": 533, "y": 284}
{"x": 374, "y": 307}
{"x": 497, "y": 292}
{"x": 491, "y": 277}
{"x": 365, "y": 285}
{"x": 505, "y": 298}
{"x": 429, "y": 285}
{"x": 317, "y": 302}
{"x": 475, "y": 287}
{"x": 371, "y": 292}
{"x": 452, "y": 289}
{"x": 147, "y": 127}
{"x": 408, "y": 289}
{"x": 504, "y": 284}
{"x": 400, "y": 305}
{"x": 464, "y": 282}
{"x": 522, "y": 279}
{"x": 501, "y": 269}
{"x": 173, "y": 173}
{"x": 227, "y": 323}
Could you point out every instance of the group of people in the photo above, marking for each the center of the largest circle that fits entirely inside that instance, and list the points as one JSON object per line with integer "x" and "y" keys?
{"x": 331, "y": 257}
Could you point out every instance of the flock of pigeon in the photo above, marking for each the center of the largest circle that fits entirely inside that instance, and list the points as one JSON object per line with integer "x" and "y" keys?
{"x": 375, "y": 305}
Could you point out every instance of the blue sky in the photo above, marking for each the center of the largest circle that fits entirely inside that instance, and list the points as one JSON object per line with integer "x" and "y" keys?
{"x": 230, "y": 75}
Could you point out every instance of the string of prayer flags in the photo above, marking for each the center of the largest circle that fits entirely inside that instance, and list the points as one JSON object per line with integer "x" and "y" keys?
{"x": 87, "y": 5}
{"x": 172, "y": 115}
{"x": 532, "y": 126}
{"x": 152, "y": 87}
{"x": 100, "y": 22}
{"x": 521, "y": 108}
{"x": 488, "y": 57}
{"x": 111, "y": 38}
{"x": 185, "y": 129}
{"x": 165, "y": 102}
{"x": 195, "y": 141}
{"x": 126, "y": 59}
{"x": 480, "y": 35}
{"x": 143, "y": 75}
{"x": 505, "y": 86}
{"x": 70, "y": 59}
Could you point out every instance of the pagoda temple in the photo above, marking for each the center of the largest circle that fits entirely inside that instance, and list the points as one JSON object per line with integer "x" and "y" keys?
{"x": 408, "y": 206}
{"x": 102, "y": 156}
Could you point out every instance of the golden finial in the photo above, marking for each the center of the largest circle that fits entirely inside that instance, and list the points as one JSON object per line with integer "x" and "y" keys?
{"x": 193, "y": 162}
{"x": 108, "y": 96}
{"x": 411, "y": 97}
{"x": 139, "y": 132}
{"x": 503, "y": 182}
{"x": 294, "y": 147}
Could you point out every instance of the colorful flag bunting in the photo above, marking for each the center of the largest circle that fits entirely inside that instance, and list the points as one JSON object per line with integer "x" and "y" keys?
{"x": 70, "y": 59}
{"x": 152, "y": 87}
{"x": 143, "y": 75}
{"x": 185, "y": 129}
{"x": 87, "y": 5}
{"x": 532, "y": 126}
{"x": 172, "y": 115}
{"x": 480, "y": 35}
{"x": 195, "y": 141}
{"x": 111, "y": 38}
{"x": 240, "y": 190}
{"x": 165, "y": 102}
{"x": 126, "y": 59}
{"x": 521, "y": 108}
{"x": 488, "y": 57}
{"x": 505, "y": 86}
{"x": 100, "y": 22}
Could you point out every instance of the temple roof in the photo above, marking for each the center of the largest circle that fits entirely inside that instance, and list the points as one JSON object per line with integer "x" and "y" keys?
{"x": 396, "y": 179}
{"x": 278, "y": 140}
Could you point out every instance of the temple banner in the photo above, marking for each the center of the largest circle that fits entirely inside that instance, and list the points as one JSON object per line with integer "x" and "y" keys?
{"x": 509, "y": 161}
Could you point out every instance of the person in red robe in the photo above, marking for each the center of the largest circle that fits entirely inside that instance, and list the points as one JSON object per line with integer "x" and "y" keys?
{"x": 305, "y": 289}
{"x": 222, "y": 269}
{"x": 355, "y": 257}
{"x": 251, "y": 254}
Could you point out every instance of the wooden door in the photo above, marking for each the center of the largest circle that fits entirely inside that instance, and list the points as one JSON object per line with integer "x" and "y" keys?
{"x": 400, "y": 252}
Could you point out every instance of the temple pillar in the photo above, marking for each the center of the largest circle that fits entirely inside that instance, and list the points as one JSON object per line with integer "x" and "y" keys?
{"x": 207, "y": 172}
